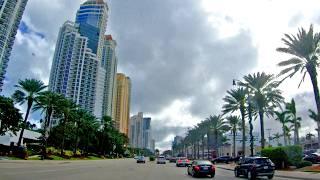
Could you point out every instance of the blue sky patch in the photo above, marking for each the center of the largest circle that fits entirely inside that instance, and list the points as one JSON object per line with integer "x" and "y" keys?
{"x": 25, "y": 29}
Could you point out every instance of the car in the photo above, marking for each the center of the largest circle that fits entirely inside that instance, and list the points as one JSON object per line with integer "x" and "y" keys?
{"x": 313, "y": 157}
{"x": 173, "y": 160}
{"x": 141, "y": 159}
{"x": 161, "y": 160}
{"x": 182, "y": 162}
{"x": 223, "y": 159}
{"x": 253, "y": 167}
{"x": 201, "y": 168}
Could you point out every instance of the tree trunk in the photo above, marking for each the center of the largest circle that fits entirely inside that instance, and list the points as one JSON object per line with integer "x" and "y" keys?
{"x": 216, "y": 142}
{"x": 234, "y": 144}
{"x": 251, "y": 129}
{"x": 208, "y": 147}
{"x": 296, "y": 132}
{"x": 203, "y": 147}
{"x": 243, "y": 132}
{"x": 25, "y": 122}
{"x": 284, "y": 135}
{"x": 198, "y": 155}
{"x": 63, "y": 135}
{"x": 313, "y": 76}
{"x": 262, "y": 129}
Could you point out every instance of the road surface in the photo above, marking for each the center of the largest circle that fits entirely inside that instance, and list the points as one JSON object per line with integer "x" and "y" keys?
{"x": 124, "y": 169}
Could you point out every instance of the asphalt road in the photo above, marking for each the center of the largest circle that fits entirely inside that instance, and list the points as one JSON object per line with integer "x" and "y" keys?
{"x": 124, "y": 169}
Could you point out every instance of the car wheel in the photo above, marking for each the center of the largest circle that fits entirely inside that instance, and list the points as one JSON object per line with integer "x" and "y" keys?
{"x": 212, "y": 175}
{"x": 251, "y": 176}
{"x": 193, "y": 174}
{"x": 270, "y": 177}
{"x": 236, "y": 173}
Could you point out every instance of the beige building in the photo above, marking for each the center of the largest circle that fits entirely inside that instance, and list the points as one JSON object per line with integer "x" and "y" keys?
{"x": 122, "y": 110}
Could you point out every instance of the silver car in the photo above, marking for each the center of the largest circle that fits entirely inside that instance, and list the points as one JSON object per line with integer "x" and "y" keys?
{"x": 161, "y": 160}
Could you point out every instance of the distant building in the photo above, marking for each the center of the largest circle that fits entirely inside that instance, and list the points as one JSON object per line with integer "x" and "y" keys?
{"x": 146, "y": 133}
{"x": 153, "y": 145}
{"x": 10, "y": 16}
{"x": 140, "y": 132}
{"x": 122, "y": 109}
{"x": 177, "y": 140}
{"x": 136, "y": 127}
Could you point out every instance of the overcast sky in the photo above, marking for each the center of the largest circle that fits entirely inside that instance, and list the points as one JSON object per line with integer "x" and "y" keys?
{"x": 181, "y": 55}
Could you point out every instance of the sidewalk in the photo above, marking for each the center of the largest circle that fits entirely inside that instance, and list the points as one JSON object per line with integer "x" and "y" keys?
{"x": 282, "y": 174}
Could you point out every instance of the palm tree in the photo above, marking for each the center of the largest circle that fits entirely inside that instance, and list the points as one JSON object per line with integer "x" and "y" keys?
{"x": 48, "y": 102}
{"x": 265, "y": 96}
{"x": 27, "y": 91}
{"x": 291, "y": 110}
{"x": 236, "y": 100}
{"x": 304, "y": 48}
{"x": 234, "y": 123}
{"x": 217, "y": 126}
{"x": 68, "y": 109}
{"x": 313, "y": 115}
{"x": 277, "y": 136}
{"x": 283, "y": 119}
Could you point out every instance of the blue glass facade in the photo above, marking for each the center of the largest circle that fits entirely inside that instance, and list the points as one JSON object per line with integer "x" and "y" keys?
{"x": 89, "y": 18}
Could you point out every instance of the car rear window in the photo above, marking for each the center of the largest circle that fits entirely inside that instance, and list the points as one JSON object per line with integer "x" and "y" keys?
{"x": 262, "y": 161}
{"x": 204, "y": 162}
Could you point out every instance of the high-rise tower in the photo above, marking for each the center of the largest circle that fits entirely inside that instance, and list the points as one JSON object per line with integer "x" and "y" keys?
{"x": 122, "y": 110}
{"x": 10, "y": 16}
{"x": 76, "y": 68}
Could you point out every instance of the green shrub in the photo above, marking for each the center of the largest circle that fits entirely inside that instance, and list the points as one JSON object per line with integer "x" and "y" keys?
{"x": 152, "y": 158}
{"x": 294, "y": 154}
{"x": 277, "y": 155}
{"x": 284, "y": 156}
{"x": 302, "y": 164}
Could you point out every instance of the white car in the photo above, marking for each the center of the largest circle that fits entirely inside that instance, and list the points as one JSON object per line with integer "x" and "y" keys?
{"x": 161, "y": 160}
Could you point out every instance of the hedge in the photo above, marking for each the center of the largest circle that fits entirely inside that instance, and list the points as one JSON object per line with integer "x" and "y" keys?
{"x": 283, "y": 157}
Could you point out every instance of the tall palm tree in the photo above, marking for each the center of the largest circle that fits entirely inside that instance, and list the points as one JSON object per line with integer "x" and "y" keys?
{"x": 236, "y": 100}
{"x": 313, "y": 115}
{"x": 304, "y": 48}
{"x": 283, "y": 119}
{"x": 265, "y": 96}
{"x": 47, "y": 102}
{"x": 288, "y": 133}
{"x": 27, "y": 92}
{"x": 217, "y": 126}
{"x": 68, "y": 110}
{"x": 234, "y": 123}
{"x": 291, "y": 110}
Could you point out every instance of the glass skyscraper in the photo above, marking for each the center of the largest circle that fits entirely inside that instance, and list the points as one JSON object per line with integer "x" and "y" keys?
{"x": 76, "y": 70}
{"x": 10, "y": 16}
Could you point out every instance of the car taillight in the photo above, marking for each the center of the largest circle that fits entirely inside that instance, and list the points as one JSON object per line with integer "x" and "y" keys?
{"x": 179, "y": 161}
{"x": 187, "y": 160}
{"x": 196, "y": 168}
{"x": 213, "y": 168}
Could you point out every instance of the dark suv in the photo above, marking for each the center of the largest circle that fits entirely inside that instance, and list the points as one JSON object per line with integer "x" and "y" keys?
{"x": 253, "y": 167}
{"x": 222, "y": 159}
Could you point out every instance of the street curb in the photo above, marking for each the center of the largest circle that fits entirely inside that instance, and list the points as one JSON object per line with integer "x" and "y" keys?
{"x": 305, "y": 178}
